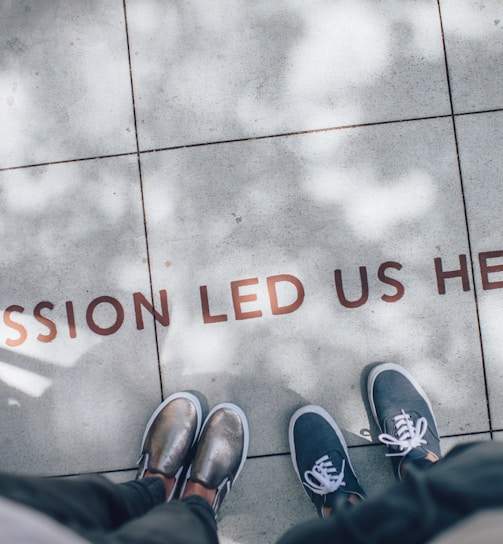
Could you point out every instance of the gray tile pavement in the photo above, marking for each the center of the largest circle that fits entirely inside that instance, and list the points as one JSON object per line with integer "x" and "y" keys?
{"x": 474, "y": 45}
{"x": 73, "y": 363}
{"x": 278, "y": 266}
{"x": 65, "y": 88}
{"x": 256, "y": 69}
{"x": 480, "y": 147}
{"x": 382, "y": 198}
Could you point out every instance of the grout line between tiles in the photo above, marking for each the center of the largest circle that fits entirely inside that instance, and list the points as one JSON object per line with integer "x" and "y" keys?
{"x": 138, "y": 155}
{"x": 474, "y": 433}
{"x": 376, "y": 444}
{"x": 465, "y": 113}
{"x": 220, "y": 142}
{"x": 460, "y": 172}
{"x": 296, "y": 133}
{"x": 287, "y": 453}
{"x": 66, "y": 161}
{"x": 251, "y": 138}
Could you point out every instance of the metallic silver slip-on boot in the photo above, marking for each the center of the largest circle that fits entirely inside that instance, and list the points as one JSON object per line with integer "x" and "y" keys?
{"x": 169, "y": 436}
{"x": 221, "y": 451}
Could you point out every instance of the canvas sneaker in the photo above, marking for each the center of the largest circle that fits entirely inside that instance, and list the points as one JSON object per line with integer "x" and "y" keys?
{"x": 404, "y": 415}
{"x": 320, "y": 458}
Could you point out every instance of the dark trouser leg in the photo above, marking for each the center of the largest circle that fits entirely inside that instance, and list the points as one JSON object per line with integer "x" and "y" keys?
{"x": 190, "y": 521}
{"x": 469, "y": 479}
{"x": 100, "y": 511}
{"x": 89, "y": 503}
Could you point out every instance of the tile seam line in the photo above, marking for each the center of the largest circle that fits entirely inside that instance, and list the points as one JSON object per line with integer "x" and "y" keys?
{"x": 229, "y": 141}
{"x": 295, "y": 133}
{"x": 67, "y": 161}
{"x": 140, "y": 174}
{"x": 251, "y": 139}
{"x": 470, "y": 250}
{"x": 235, "y": 140}
{"x": 378, "y": 444}
{"x": 285, "y": 453}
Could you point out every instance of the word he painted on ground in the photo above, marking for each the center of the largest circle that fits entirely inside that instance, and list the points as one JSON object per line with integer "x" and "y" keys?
{"x": 243, "y": 299}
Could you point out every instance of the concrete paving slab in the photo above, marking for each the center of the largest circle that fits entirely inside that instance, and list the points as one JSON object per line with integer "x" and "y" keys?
{"x": 78, "y": 376}
{"x": 245, "y": 237}
{"x": 120, "y": 476}
{"x": 480, "y": 139}
{"x": 447, "y": 443}
{"x": 261, "y": 68}
{"x": 473, "y": 32}
{"x": 65, "y": 89}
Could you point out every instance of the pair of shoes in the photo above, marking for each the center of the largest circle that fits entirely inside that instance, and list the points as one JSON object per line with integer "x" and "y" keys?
{"x": 178, "y": 445}
{"x": 319, "y": 452}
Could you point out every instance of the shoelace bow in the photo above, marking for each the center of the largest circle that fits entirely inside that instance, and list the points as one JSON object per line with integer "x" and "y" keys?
{"x": 324, "y": 478}
{"x": 408, "y": 436}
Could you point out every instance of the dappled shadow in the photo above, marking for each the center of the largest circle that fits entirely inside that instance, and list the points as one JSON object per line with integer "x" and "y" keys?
{"x": 65, "y": 89}
{"x": 73, "y": 233}
{"x": 249, "y": 70}
{"x": 303, "y": 205}
{"x": 305, "y": 210}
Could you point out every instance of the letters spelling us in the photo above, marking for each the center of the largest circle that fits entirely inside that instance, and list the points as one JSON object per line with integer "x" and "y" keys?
{"x": 239, "y": 299}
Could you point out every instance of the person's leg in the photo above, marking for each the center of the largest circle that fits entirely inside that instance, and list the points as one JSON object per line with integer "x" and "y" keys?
{"x": 189, "y": 521}
{"x": 103, "y": 512}
{"x": 87, "y": 503}
{"x": 427, "y": 500}
{"x": 94, "y": 504}
{"x": 219, "y": 459}
{"x": 425, "y": 503}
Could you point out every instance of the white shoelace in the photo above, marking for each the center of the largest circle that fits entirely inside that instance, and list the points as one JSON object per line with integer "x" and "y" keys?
{"x": 324, "y": 478}
{"x": 409, "y": 436}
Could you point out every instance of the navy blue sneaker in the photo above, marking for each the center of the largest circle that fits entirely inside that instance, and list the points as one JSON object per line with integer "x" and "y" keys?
{"x": 404, "y": 414}
{"x": 321, "y": 459}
